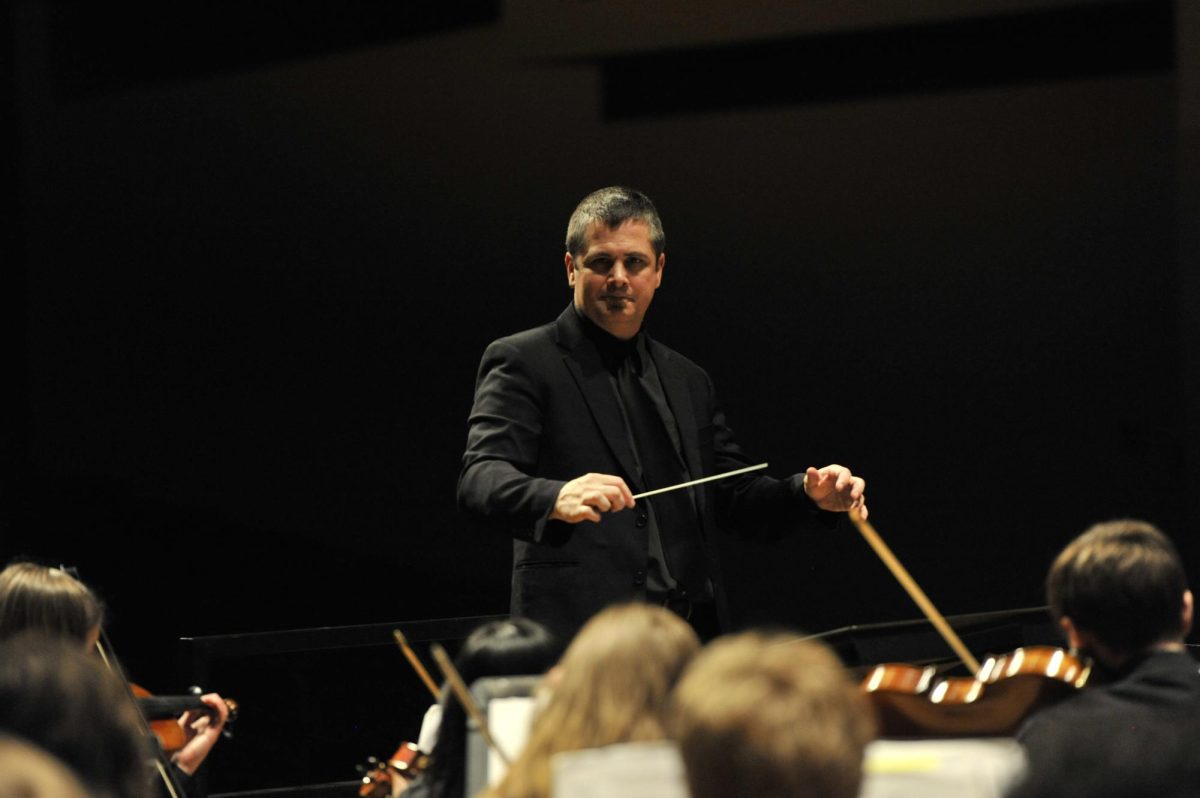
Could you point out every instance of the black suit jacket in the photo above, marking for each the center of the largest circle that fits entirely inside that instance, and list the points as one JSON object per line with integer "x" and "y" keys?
{"x": 1138, "y": 737}
{"x": 545, "y": 412}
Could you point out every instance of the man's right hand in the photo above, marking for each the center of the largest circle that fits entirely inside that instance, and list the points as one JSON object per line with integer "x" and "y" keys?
{"x": 585, "y": 497}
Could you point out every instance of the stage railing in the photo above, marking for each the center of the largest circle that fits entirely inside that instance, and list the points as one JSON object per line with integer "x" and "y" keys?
{"x": 314, "y": 702}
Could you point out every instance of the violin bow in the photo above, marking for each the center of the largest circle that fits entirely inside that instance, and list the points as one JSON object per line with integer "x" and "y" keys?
{"x": 108, "y": 656}
{"x": 914, "y": 590}
{"x": 464, "y": 696}
{"x": 411, "y": 656}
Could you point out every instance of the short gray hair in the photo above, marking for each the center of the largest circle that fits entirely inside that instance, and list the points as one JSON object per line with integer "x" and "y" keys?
{"x": 612, "y": 207}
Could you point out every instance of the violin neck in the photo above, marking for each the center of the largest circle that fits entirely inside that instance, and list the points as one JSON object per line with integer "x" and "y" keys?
{"x": 168, "y": 706}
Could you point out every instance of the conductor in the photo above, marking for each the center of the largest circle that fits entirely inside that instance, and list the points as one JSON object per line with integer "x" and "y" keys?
{"x": 573, "y": 418}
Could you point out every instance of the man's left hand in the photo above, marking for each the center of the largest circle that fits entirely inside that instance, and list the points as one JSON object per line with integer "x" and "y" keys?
{"x": 835, "y": 488}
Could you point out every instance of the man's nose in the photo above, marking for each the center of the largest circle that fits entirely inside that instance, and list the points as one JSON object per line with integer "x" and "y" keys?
{"x": 617, "y": 274}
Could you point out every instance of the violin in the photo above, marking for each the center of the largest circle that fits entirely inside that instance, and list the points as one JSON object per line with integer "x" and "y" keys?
{"x": 162, "y": 713}
{"x": 379, "y": 777}
{"x": 911, "y": 701}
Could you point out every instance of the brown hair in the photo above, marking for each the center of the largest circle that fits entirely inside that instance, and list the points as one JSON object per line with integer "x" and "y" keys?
{"x": 1123, "y": 582}
{"x": 769, "y": 716}
{"x": 611, "y": 207}
{"x": 616, "y": 676}
{"x": 48, "y": 599}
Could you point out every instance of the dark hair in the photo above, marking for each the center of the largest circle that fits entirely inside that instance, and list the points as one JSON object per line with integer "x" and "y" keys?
{"x": 49, "y": 599}
{"x": 64, "y": 701}
{"x": 515, "y": 647}
{"x": 612, "y": 207}
{"x": 1123, "y": 582}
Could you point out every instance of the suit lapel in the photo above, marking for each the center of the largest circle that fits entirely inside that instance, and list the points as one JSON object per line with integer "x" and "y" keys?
{"x": 583, "y": 361}
{"x": 675, "y": 387}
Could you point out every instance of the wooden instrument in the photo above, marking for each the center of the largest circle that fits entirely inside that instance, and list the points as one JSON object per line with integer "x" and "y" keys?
{"x": 379, "y": 777}
{"x": 162, "y": 713}
{"x": 914, "y": 702}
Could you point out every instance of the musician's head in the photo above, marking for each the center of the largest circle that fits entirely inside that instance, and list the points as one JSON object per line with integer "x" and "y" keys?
{"x": 615, "y": 258}
{"x": 1120, "y": 589}
{"x": 27, "y": 771}
{"x": 613, "y": 680}
{"x": 770, "y": 715}
{"x": 611, "y": 686}
{"x": 67, "y": 703}
{"x": 512, "y": 647}
{"x": 50, "y": 600}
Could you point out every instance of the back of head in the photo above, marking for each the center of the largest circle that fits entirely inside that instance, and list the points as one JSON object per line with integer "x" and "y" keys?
{"x": 507, "y": 648}
{"x": 513, "y": 647}
{"x": 1123, "y": 582}
{"x": 37, "y": 597}
{"x": 612, "y": 207}
{"x": 29, "y": 772}
{"x": 613, "y": 684}
{"x": 617, "y": 673}
{"x": 770, "y": 716}
{"x": 64, "y": 701}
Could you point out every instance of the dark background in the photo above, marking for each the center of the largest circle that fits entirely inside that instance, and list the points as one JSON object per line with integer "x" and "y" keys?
{"x": 258, "y": 248}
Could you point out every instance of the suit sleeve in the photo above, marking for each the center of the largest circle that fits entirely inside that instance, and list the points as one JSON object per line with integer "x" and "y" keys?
{"x": 504, "y": 438}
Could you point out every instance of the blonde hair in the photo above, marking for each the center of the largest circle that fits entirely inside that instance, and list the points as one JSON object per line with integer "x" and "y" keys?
{"x": 615, "y": 679}
{"x": 27, "y": 771}
{"x": 770, "y": 716}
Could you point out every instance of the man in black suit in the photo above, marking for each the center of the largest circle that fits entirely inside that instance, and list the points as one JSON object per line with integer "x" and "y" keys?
{"x": 1121, "y": 597}
{"x": 572, "y": 418}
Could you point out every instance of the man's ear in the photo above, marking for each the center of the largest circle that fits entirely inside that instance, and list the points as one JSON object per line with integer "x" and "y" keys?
{"x": 1074, "y": 639}
{"x": 569, "y": 262}
{"x": 662, "y": 261}
{"x": 1187, "y": 613}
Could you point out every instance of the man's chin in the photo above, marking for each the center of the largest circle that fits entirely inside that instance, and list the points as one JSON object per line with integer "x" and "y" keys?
{"x": 622, "y": 324}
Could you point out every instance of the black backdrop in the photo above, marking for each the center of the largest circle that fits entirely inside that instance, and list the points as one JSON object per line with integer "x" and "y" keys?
{"x": 258, "y": 254}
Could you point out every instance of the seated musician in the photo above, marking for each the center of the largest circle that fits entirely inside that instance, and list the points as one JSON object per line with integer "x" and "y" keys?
{"x": 65, "y": 702}
{"x": 1120, "y": 595}
{"x": 37, "y": 597}
{"x": 610, "y": 687}
{"x": 516, "y": 647}
{"x": 770, "y": 715}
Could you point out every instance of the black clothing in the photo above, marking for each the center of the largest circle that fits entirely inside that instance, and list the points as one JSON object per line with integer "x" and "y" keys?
{"x": 546, "y": 411}
{"x": 1137, "y": 736}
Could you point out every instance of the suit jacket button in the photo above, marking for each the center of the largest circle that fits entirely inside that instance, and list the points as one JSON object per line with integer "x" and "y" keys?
{"x": 642, "y": 520}
{"x": 639, "y": 578}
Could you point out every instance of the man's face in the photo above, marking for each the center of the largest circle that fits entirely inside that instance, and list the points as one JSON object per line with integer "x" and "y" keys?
{"x": 615, "y": 276}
